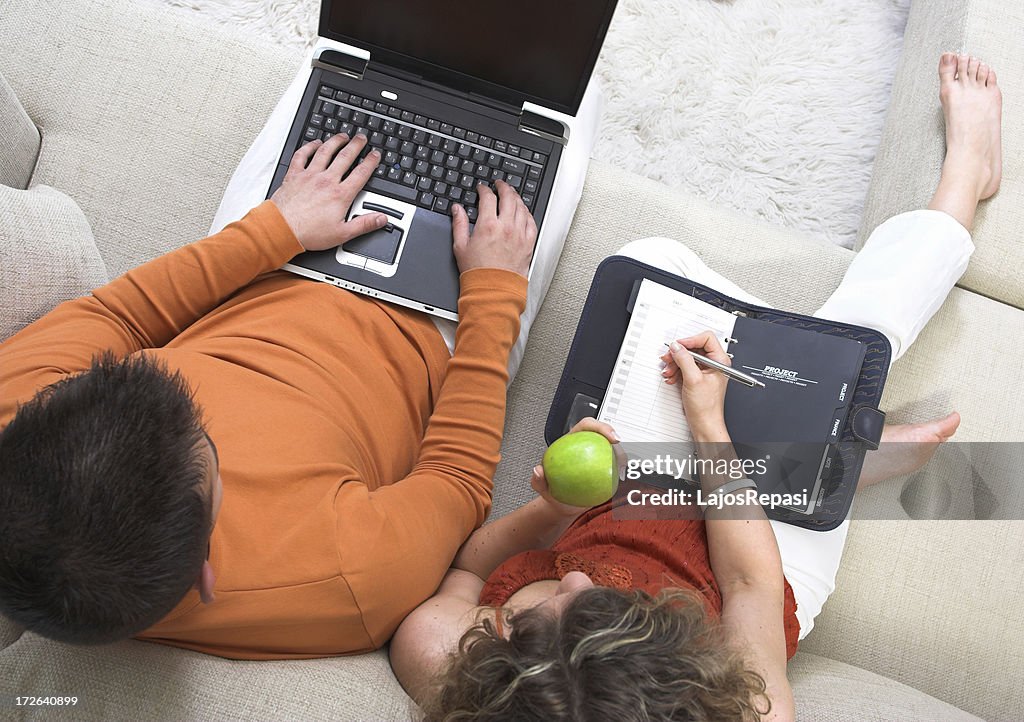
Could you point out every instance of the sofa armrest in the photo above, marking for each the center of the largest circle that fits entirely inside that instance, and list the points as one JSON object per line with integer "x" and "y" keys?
{"x": 19, "y": 140}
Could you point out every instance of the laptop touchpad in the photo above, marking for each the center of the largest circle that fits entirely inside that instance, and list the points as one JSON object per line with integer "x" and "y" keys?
{"x": 380, "y": 245}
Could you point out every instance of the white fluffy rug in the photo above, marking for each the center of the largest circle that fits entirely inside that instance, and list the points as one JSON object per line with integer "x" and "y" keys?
{"x": 771, "y": 107}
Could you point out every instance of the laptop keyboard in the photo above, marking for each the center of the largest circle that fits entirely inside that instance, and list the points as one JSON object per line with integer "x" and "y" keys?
{"x": 425, "y": 161}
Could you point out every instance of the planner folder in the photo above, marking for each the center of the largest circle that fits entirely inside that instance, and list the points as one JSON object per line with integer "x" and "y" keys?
{"x": 817, "y": 415}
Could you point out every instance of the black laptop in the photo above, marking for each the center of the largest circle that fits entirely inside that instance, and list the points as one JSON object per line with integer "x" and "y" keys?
{"x": 442, "y": 97}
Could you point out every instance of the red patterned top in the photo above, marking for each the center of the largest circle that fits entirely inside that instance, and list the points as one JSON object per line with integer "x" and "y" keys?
{"x": 647, "y": 554}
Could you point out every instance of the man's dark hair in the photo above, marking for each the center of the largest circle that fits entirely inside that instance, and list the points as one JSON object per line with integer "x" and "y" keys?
{"x": 104, "y": 511}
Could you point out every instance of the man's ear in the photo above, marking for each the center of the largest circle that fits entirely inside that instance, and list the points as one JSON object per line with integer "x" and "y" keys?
{"x": 205, "y": 583}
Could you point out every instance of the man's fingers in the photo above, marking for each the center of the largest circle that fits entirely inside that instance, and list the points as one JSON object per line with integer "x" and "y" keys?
{"x": 460, "y": 226}
{"x": 347, "y": 156}
{"x": 508, "y": 201}
{"x": 361, "y": 225}
{"x": 363, "y": 171}
{"x": 322, "y": 157}
{"x": 300, "y": 159}
{"x": 487, "y": 206}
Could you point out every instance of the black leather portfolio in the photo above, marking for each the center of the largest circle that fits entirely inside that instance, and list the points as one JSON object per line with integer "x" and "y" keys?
{"x": 812, "y": 422}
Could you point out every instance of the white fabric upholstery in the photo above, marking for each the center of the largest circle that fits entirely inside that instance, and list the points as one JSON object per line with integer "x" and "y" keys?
{"x": 47, "y": 255}
{"x": 913, "y": 142}
{"x": 19, "y": 140}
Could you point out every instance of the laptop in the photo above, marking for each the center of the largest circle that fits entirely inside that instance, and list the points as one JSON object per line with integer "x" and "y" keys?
{"x": 442, "y": 95}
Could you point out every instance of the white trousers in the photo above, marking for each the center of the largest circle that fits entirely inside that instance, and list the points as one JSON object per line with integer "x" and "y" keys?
{"x": 895, "y": 285}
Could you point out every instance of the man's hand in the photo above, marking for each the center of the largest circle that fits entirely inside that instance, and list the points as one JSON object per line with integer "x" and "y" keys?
{"x": 503, "y": 237}
{"x": 703, "y": 389}
{"x": 314, "y": 200}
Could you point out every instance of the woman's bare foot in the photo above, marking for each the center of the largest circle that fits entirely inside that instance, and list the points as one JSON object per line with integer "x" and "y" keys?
{"x": 972, "y": 104}
{"x": 906, "y": 448}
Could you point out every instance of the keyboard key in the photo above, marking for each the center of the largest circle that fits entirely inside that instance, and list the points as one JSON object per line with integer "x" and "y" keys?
{"x": 468, "y": 166}
{"x": 483, "y": 172}
{"x": 376, "y": 139}
{"x": 516, "y": 167}
{"x": 404, "y": 132}
{"x": 446, "y": 128}
{"x": 472, "y": 137}
{"x": 436, "y": 172}
{"x": 394, "y": 113}
{"x": 451, "y": 161}
{"x": 332, "y": 125}
{"x": 467, "y": 182}
{"x": 326, "y": 136}
{"x": 449, "y": 145}
{"x": 501, "y": 146}
{"x": 465, "y": 150}
{"x": 385, "y": 187}
{"x": 539, "y": 158}
{"x": 485, "y": 141}
{"x": 433, "y": 124}
{"x": 419, "y": 137}
{"x": 455, "y": 193}
{"x": 515, "y": 181}
{"x": 388, "y": 127}
{"x": 494, "y": 160}
{"x": 514, "y": 150}
{"x": 381, "y": 108}
{"x": 528, "y": 200}
{"x": 343, "y": 113}
{"x": 422, "y": 167}
{"x": 326, "y": 91}
{"x": 422, "y": 152}
{"x": 359, "y": 118}
{"x": 424, "y": 184}
{"x": 420, "y": 120}
{"x": 341, "y": 96}
{"x": 427, "y": 200}
{"x": 373, "y": 123}
{"x": 391, "y": 158}
{"x": 368, "y": 104}
{"x": 312, "y": 133}
{"x": 442, "y": 205}
{"x": 409, "y": 178}
{"x": 440, "y": 188}
{"x": 317, "y": 120}
{"x": 533, "y": 173}
{"x": 530, "y": 187}
{"x": 451, "y": 177}
{"x": 437, "y": 157}
{"x": 395, "y": 174}
{"x": 327, "y": 108}
{"x": 497, "y": 175}
{"x": 381, "y": 171}
{"x": 470, "y": 198}
{"x": 407, "y": 163}
{"x": 346, "y": 128}
{"x": 391, "y": 143}
{"x": 459, "y": 133}
{"x": 472, "y": 214}
{"x": 355, "y": 100}
{"x": 407, "y": 116}
{"x": 434, "y": 141}
{"x": 479, "y": 156}
{"x": 408, "y": 148}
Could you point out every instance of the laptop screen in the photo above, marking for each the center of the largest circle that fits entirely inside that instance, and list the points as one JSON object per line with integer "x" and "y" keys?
{"x": 543, "y": 51}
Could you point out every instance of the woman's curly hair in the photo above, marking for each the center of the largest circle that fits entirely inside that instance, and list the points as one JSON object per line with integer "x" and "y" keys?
{"x": 610, "y": 655}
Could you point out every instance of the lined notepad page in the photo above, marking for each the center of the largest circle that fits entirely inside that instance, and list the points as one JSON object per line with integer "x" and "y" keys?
{"x": 638, "y": 403}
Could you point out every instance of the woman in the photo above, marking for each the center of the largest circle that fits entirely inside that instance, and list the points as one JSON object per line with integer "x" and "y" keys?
{"x": 583, "y": 616}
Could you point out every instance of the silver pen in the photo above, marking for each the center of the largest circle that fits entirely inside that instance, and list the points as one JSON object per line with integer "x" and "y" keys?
{"x": 729, "y": 371}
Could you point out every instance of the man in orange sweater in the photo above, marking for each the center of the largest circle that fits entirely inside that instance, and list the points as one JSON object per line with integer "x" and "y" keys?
{"x": 216, "y": 455}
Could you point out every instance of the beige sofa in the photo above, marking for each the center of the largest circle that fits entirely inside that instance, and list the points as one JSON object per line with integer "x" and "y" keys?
{"x": 143, "y": 114}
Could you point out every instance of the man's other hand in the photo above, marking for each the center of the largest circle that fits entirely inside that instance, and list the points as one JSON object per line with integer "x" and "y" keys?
{"x": 503, "y": 237}
{"x": 315, "y": 201}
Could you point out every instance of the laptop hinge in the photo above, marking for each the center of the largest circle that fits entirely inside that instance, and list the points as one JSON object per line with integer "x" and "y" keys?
{"x": 549, "y": 128}
{"x": 339, "y": 62}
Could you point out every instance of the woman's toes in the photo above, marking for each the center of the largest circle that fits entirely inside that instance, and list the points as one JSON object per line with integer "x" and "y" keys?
{"x": 972, "y": 69}
{"x": 983, "y": 73}
{"x": 962, "y": 62}
{"x": 947, "y": 67}
{"x": 991, "y": 78}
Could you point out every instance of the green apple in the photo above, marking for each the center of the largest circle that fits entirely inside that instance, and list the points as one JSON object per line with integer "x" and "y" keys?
{"x": 581, "y": 469}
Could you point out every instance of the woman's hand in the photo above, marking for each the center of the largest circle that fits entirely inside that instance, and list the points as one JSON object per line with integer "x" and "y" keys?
{"x": 540, "y": 483}
{"x": 703, "y": 389}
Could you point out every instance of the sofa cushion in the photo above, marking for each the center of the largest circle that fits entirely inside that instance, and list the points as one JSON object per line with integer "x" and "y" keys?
{"x": 913, "y": 141}
{"x": 830, "y": 691}
{"x": 9, "y": 631}
{"x": 154, "y": 113}
{"x": 47, "y": 255}
{"x": 141, "y": 681}
{"x": 19, "y": 140}
{"x": 935, "y": 605}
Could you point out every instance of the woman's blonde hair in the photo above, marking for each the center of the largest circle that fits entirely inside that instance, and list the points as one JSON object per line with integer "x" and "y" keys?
{"x": 610, "y": 655}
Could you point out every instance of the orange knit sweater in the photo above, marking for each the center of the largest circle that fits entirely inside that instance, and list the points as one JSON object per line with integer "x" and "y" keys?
{"x": 356, "y": 457}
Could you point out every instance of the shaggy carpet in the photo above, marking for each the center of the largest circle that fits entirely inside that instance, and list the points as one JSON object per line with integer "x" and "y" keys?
{"x": 771, "y": 107}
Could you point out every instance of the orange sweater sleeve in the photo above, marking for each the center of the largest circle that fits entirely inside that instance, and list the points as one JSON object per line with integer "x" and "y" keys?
{"x": 395, "y": 543}
{"x": 145, "y": 308}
